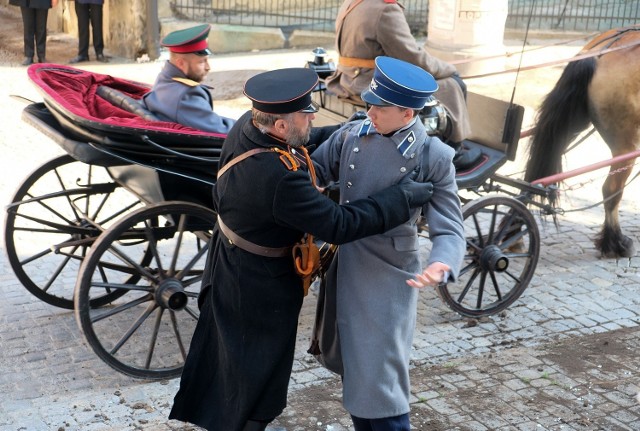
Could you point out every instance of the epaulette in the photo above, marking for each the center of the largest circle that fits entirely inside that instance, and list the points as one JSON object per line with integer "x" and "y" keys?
{"x": 186, "y": 81}
{"x": 287, "y": 159}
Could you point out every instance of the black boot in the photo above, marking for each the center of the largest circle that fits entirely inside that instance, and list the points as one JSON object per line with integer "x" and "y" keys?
{"x": 255, "y": 426}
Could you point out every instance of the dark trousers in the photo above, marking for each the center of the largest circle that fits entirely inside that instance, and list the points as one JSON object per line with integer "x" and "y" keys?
{"x": 89, "y": 14}
{"x": 394, "y": 423}
{"x": 34, "y": 23}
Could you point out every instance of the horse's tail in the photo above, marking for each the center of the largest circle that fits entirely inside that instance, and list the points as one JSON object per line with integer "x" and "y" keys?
{"x": 564, "y": 113}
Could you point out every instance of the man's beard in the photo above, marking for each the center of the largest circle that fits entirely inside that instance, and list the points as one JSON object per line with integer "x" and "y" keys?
{"x": 296, "y": 138}
{"x": 195, "y": 77}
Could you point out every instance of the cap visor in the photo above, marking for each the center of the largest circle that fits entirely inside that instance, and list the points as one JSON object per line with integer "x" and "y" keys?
{"x": 204, "y": 52}
{"x": 311, "y": 109}
{"x": 367, "y": 96}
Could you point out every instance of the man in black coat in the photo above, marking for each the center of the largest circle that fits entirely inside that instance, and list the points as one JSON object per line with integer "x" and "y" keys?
{"x": 237, "y": 371}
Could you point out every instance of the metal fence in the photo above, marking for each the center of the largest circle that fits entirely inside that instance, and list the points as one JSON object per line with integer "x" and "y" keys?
{"x": 289, "y": 15}
{"x": 572, "y": 15}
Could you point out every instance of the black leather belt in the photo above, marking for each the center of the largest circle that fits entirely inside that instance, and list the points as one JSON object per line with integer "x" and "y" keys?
{"x": 238, "y": 241}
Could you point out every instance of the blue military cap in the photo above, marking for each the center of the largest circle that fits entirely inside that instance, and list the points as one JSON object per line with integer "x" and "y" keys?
{"x": 283, "y": 91}
{"x": 396, "y": 82}
{"x": 192, "y": 40}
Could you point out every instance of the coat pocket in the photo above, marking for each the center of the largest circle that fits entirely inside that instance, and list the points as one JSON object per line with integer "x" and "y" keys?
{"x": 405, "y": 243}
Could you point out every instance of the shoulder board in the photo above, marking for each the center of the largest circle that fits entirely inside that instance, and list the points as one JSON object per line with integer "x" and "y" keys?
{"x": 186, "y": 81}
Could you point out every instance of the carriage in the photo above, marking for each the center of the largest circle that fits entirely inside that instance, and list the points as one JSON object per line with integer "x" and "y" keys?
{"x": 125, "y": 216}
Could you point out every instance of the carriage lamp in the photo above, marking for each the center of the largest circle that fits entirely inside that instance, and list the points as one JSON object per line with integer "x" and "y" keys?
{"x": 320, "y": 65}
{"x": 434, "y": 117}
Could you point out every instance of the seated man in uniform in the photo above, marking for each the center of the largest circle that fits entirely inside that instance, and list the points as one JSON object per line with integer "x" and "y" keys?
{"x": 366, "y": 29}
{"x": 178, "y": 95}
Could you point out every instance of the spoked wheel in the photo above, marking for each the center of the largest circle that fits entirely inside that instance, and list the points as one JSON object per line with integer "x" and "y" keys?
{"x": 147, "y": 331}
{"x": 503, "y": 244}
{"x": 54, "y": 217}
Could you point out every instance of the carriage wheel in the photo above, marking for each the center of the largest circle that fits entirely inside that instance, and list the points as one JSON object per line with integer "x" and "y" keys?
{"x": 147, "y": 331}
{"x": 55, "y": 216}
{"x": 503, "y": 245}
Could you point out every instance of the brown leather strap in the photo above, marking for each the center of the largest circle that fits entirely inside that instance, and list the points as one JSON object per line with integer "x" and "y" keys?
{"x": 356, "y": 62}
{"x": 241, "y": 157}
{"x": 552, "y": 63}
{"x": 238, "y": 241}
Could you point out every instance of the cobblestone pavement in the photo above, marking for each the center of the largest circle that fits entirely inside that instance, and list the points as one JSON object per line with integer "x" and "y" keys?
{"x": 563, "y": 357}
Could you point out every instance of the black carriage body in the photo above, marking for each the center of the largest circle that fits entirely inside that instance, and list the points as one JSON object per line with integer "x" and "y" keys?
{"x": 127, "y": 213}
{"x": 112, "y": 128}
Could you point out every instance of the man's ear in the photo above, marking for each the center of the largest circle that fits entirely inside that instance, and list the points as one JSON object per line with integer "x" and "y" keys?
{"x": 179, "y": 61}
{"x": 408, "y": 114}
{"x": 280, "y": 125}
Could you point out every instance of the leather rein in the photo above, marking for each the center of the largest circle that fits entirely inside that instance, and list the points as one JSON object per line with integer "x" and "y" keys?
{"x": 607, "y": 49}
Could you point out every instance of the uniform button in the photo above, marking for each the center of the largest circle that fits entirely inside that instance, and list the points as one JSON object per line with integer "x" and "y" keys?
{"x": 356, "y": 72}
{"x": 403, "y": 169}
{"x": 352, "y": 167}
{"x": 413, "y": 155}
{"x": 356, "y": 150}
{"x": 349, "y": 184}
{"x": 410, "y": 139}
{"x": 347, "y": 201}
{"x": 367, "y": 122}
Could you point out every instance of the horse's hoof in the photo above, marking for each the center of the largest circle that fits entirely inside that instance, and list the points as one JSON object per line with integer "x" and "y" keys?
{"x": 626, "y": 247}
{"x": 622, "y": 248}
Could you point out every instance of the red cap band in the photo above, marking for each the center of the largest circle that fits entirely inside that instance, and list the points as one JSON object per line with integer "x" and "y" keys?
{"x": 192, "y": 47}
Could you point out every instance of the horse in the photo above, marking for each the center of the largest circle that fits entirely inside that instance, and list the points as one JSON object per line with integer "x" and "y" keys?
{"x": 600, "y": 87}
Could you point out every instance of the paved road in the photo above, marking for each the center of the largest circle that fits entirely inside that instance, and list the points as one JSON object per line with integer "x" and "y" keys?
{"x": 562, "y": 357}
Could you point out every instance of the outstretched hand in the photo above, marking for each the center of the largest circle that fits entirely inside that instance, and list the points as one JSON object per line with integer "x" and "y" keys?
{"x": 432, "y": 275}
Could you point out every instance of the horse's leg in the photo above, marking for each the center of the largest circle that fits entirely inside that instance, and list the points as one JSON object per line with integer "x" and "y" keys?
{"x": 614, "y": 110}
{"x": 610, "y": 240}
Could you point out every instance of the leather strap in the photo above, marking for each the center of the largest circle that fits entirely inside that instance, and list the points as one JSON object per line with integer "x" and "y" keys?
{"x": 240, "y": 158}
{"x": 251, "y": 247}
{"x": 356, "y": 62}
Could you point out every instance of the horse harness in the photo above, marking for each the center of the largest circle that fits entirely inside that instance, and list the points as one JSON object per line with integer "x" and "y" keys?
{"x": 612, "y": 39}
{"x": 619, "y": 34}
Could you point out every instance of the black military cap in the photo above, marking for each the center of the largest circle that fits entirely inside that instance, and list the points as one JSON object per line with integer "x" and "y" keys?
{"x": 283, "y": 91}
{"x": 191, "y": 40}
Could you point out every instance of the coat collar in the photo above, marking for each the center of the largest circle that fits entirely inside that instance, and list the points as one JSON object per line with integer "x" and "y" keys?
{"x": 407, "y": 140}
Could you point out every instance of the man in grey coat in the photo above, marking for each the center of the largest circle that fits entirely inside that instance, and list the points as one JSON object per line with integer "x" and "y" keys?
{"x": 376, "y": 278}
{"x": 178, "y": 95}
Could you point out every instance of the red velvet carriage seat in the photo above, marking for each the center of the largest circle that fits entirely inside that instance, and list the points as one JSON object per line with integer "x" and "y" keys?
{"x": 99, "y": 119}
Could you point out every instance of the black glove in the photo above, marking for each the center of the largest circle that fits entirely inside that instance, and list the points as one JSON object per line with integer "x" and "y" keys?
{"x": 417, "y": 194}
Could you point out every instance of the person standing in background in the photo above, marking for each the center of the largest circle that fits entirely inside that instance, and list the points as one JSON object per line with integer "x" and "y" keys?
{"x": 89, "y": 12}
{"x": 34, "y": 24}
